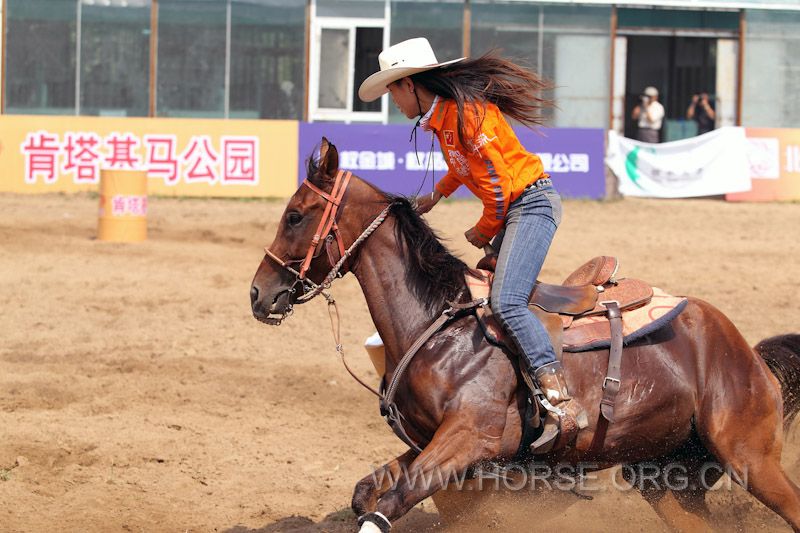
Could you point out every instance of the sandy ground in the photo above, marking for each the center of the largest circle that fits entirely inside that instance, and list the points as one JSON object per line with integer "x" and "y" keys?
{"x": 137, "y": 393}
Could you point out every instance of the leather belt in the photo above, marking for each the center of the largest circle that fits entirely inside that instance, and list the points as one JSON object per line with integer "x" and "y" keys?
{"x": 538, "y": 184}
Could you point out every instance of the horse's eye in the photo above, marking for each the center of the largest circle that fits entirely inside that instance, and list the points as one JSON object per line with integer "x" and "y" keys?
{"x": 294, "y": 218}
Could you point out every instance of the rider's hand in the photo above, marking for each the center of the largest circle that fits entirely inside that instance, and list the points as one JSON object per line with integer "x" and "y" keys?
{"x": 476, "y": 238}
{"x": 425, "y": 203}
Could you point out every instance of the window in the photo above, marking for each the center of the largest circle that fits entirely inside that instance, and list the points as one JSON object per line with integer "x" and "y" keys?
{"x": 267, "y": 59}
{"x": 41, "y": 52}
{"x": 440, "y": 22}
{"x": 568, "y": 45}
{"x": 512, "y": 28}
{"x": 369, "y": 44}
{"x": 334, "y": 61}
{"x": 191, "y": 58}
{"x": 215, "y": 58}
{"x": 115, "y": 58}
{"x": 576, "y": 50}
{"x": 344, "y": 52}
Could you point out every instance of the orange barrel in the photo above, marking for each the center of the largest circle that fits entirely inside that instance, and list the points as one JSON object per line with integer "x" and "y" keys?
{"x": 123, "y": 206}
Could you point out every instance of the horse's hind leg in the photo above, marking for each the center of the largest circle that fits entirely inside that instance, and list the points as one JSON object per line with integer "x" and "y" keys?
{"x": 754, "y": 457}
{"x": 746, "y": 436}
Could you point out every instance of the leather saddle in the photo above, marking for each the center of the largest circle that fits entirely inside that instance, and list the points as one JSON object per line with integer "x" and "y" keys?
{"x": 583, "y": 293}
{"x": 592, "y": 290}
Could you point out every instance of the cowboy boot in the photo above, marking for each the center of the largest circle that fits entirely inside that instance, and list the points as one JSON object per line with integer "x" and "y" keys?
{"x": 570, "y": 415}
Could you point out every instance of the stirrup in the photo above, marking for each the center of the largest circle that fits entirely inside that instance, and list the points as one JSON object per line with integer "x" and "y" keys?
{"x": 549, "y": 436}
{"x": 554, "y": 416}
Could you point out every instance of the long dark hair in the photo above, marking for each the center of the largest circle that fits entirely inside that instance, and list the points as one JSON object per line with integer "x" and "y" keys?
{"x": 514, "y": 89}
{"x": 434, "y": 275}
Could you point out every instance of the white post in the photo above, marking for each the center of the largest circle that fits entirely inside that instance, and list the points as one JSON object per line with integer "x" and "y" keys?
{"x": 618, "y": 98}
{"x": 727, "y": 61}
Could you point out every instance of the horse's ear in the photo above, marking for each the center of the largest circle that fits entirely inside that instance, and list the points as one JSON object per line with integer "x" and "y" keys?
{"x": 328, "y": 160}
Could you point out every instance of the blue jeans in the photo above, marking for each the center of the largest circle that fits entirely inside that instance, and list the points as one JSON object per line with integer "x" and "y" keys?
{"x": 531, "y": 222}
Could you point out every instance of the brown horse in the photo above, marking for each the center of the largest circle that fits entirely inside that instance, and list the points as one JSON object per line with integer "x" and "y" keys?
{"x": 693, "y": 394}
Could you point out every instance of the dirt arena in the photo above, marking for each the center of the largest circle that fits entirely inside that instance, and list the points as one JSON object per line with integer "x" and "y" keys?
{"x": 137, "y": 393}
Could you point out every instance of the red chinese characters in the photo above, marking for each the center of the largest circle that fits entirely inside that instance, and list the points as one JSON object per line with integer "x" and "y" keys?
{"x": 234, "y": 161}
{"x": 240, "y": 160}
{"x": 201, "y": 160}
{"x": 161, "y": 159}
{"x": 129, "y": 205}
{"x": 122, "y": 151}
{"x": 41, "y": 151}
{"x": 81, "y": 157}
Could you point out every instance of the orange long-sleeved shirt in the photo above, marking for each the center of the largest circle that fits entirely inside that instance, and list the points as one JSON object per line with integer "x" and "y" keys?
{"x": 495, "y": 167}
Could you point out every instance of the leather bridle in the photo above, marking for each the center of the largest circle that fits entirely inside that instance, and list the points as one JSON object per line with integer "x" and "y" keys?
{"x": 326, "y": 224}
{"x": 327, "y": 232}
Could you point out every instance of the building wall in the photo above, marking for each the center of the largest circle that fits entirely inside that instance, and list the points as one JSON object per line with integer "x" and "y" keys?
{"x": 771, "y": 84}
{"x": 237, "y": 59}
{"x": 219, "y": 58}
{"x": 249, "y": 58}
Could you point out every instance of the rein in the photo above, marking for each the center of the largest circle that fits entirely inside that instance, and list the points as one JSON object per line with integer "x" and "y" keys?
{"x": 389, "y": 410}
{"x": 309, "y": 288}
{"x": 328, "y": 224}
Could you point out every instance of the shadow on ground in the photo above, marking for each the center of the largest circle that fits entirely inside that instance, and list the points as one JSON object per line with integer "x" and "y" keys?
{"x": 343, "y": 521}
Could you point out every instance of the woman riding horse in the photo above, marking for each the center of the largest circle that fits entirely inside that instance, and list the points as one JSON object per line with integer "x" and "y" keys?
{"x": 463, "y": 102}
{"x": 693, "y": 393}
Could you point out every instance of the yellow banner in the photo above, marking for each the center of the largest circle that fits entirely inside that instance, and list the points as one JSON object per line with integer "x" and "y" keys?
{"x": 182, "y": 157}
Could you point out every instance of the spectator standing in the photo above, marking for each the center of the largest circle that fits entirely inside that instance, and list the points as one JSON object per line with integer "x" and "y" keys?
{"x": 702, "y": 111}
{"x": 650, "y": 116}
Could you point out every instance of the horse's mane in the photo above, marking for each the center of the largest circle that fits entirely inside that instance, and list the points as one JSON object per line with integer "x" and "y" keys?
{"x": 433, "y": 274}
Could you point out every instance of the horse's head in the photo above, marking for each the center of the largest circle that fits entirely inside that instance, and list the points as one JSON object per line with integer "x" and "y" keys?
{"x": 308, "y": 241}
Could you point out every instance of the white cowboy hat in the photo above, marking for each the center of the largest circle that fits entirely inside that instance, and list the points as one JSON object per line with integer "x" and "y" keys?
{"x": 399, "y": 61}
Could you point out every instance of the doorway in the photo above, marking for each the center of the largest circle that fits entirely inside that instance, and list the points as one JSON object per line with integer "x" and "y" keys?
{"x": 681, "y": 53}
{"x": 679, "y": 67}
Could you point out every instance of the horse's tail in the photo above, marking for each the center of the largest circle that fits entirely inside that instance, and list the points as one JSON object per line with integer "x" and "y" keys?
{"x": 782, "y": 355}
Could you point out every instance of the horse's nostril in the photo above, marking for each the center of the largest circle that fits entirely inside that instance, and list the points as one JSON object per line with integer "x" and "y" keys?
{"x": 253, "y": 294}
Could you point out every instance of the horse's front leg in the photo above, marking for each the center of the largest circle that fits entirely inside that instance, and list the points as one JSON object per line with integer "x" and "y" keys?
{"x": 375, "y": 485}
{"x": 454, "y": 448}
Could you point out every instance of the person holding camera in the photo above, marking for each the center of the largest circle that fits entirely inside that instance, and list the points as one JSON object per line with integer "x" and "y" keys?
{"x": 702, "y": 111}
{"x": 650, "y": 115}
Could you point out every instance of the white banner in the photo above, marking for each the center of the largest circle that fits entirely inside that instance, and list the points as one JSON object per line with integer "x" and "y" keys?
{"x": 711, "y": 164}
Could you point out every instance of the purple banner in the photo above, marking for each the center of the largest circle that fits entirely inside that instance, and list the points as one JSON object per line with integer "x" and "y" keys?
{"x": 384, "y": 156}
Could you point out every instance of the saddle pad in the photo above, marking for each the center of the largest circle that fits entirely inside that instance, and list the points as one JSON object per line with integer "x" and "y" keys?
{"x": 594, "y": 332}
